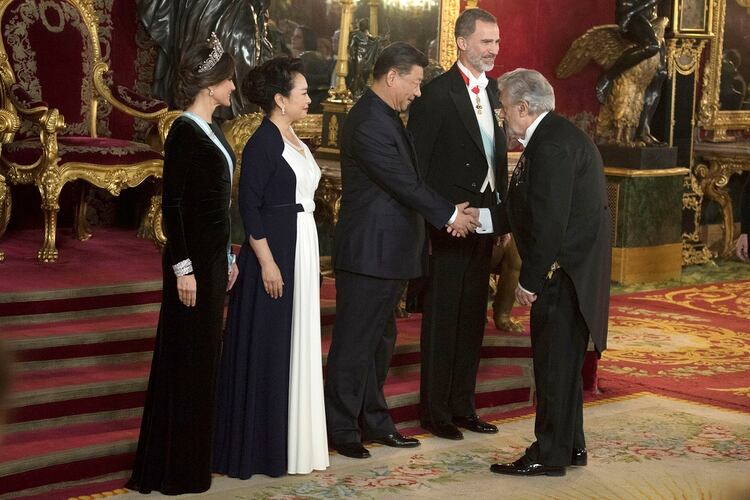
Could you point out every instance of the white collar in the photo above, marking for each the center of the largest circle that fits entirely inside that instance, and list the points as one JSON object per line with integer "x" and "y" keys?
{"x": 531, "y": 129}
{"x": 480, "y": 80}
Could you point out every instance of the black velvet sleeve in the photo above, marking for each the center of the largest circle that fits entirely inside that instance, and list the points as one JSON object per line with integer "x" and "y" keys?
{"x": 178, "y": 161}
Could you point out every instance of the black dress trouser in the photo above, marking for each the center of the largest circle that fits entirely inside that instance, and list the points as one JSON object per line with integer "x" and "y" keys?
{"x": 364, "y": 336}
{"x": 453, "y": 321}
{"x": 559, "y": 338}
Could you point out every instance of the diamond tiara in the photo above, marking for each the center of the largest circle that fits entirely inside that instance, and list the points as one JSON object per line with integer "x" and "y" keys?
{"x": 216, "y": 52}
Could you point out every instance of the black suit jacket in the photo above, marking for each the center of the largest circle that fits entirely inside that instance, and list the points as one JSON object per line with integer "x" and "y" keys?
{"x": 449, "y": 144}
{"x": 384, "y": 202}
{"x": 557, "y": 208}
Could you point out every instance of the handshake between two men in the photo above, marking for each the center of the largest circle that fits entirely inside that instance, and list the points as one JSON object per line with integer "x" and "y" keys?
{"x": 466, "y": 221}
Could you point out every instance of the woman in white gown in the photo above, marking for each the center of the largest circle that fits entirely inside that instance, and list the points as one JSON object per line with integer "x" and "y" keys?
{"x": 271, "y": 415}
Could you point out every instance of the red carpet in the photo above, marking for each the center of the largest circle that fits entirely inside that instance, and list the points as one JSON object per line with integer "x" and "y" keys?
{"x": 691, "y": 342}
{"x": 110, "y": 256}
{"x": 81, "y": 334}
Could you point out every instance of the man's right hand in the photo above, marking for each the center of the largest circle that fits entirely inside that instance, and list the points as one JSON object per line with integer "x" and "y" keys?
{"x": 467, "y": 220}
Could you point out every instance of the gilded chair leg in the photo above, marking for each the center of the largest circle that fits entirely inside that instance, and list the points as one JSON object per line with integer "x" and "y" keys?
{"x": 152, "y": 224}
{"x": 146, "y": 229}
{"x": 48, "y": 252}
{"x": 50, "y": 207}
{"x": 6, "y": 202}
{"x": 81, "y": 229}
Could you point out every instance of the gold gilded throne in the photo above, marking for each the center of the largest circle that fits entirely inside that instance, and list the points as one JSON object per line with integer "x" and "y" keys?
{"x": 8, "y": 126}
{"x": 51, "y": 65}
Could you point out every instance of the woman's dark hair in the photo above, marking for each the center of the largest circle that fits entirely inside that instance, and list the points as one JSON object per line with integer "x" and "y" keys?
{"x": 400, "y": 56}
{"x": 309, "y": 40}
{"x": 270, "y": 78}
{"x": 188, "y": 81}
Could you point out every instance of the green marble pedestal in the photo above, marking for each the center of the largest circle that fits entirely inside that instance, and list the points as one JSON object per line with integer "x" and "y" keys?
{"x": 646, "y": 208}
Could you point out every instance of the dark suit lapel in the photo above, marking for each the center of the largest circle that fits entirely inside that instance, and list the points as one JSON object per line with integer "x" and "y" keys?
{"x": 500, "y": 136}
{"x": 464, "y": 107}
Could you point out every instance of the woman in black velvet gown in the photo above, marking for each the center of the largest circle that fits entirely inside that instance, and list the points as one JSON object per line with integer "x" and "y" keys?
{"x": 174, "y": 449}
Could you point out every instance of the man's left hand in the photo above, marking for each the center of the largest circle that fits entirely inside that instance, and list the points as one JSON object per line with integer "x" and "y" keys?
{"x": 523, "y": 297}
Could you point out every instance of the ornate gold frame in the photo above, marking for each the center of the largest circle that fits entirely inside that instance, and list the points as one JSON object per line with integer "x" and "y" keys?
{"x": 46, "y": 172}
{"x": 679, "y": 31}
{"x": 710, "y": 117}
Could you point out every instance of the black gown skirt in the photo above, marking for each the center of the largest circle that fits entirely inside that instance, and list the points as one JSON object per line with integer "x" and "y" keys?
{"x": 175, "y": 444}
{"x": 253, "y": 390}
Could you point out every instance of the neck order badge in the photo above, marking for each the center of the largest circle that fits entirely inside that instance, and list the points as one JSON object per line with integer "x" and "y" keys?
{"x": 475, "y": 89}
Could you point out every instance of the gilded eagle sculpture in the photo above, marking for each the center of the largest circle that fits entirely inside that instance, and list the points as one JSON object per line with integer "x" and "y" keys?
{"x": 631, "y": 99}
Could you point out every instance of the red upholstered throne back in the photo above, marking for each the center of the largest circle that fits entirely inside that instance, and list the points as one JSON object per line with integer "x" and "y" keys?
{"x": 50, "y": 50}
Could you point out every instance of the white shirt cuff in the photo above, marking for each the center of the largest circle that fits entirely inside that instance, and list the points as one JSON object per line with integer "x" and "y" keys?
{"x": 485, "y": 221}
{"x": 523, "y": 289}
{"x": 453, "y": 217}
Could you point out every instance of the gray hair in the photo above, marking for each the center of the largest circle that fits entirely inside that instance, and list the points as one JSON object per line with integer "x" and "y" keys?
{"x": 528, "y": 85}
{"x": 467, "y": 21}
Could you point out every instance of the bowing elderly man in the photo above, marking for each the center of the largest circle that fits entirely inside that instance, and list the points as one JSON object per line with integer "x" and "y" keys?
{"x": 558, "y": 213}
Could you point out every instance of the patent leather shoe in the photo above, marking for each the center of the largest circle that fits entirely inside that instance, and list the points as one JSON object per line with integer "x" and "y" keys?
{"x": 473, "y": 424}
{"x": 580, "y": 457}
{"x": 396, "y": 440}
{"x": 445, "y": 431}
{"x": 351, "y": 450}
{"x": 525, "y": 467}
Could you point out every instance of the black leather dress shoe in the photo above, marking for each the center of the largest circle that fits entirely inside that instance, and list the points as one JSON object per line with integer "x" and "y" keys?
{"x": 522, "y": 467}
{"x": 473, "y": 424}
{"x": 396, "y": 440}
{"x": 580, "y": 457}
{"x": 351, "y": 450}
{"x": 445, "y": 431}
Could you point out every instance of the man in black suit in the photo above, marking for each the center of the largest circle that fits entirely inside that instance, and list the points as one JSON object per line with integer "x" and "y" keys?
{"x": 379, "y": 243}
{"x": 557, "y": 210}
{"x": 462, "y": 155}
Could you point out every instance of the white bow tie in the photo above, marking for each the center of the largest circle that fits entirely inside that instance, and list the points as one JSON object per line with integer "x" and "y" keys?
{"x": 480, "y": 82}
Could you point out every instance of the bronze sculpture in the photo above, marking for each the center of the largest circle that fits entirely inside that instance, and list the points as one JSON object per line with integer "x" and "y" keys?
{"x": 506, "y": 266}
{"x": 633, "y": 94}
{"x": 633, "y": 17}
{"x": 364, "y": 49}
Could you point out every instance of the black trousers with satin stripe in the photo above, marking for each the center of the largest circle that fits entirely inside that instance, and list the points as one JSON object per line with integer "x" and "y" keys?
{"x": 559, "y": 338}
{"x": 453, "y": 323}
{"x": 364, "y": 336}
